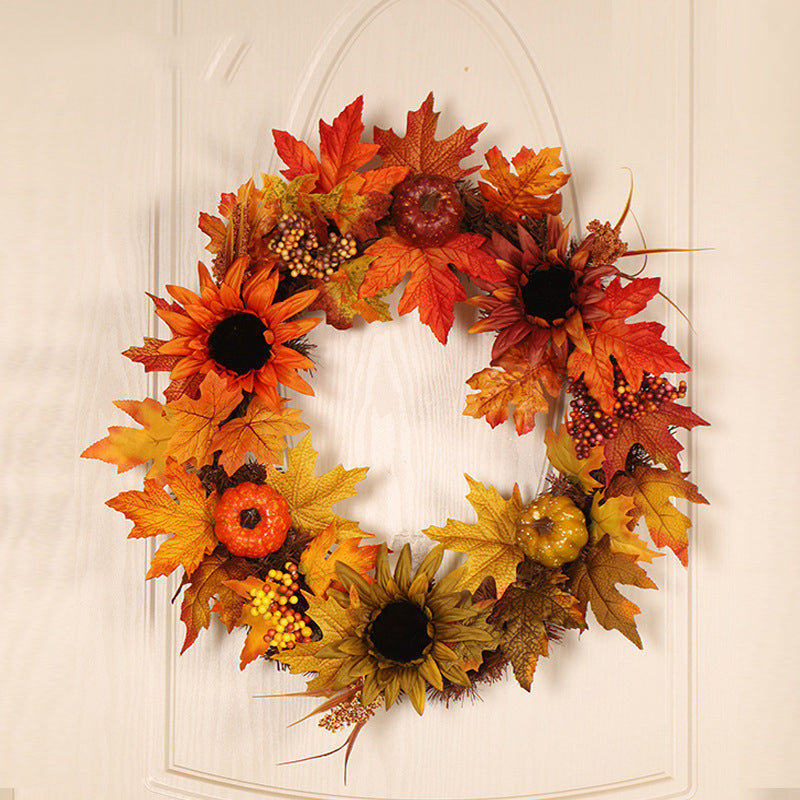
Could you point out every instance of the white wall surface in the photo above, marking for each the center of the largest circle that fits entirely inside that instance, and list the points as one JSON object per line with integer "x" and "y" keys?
{"x": 122, "y": 120}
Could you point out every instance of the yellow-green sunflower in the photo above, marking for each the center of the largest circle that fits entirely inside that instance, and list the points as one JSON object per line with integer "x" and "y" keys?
{"x": 405, "y": 632}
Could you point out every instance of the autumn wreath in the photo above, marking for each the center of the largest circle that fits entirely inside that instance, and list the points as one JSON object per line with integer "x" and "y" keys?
{"x": 250, "y": 524}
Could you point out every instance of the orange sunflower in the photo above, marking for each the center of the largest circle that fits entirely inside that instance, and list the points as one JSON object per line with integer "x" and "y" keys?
{"x": 238, "y": 332}
{"x": 549, "y": 293}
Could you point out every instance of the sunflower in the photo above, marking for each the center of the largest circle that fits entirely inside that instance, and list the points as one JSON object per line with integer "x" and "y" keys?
{"x": 238, "y": 332}
{"x": 407, "y": 632}
{"x": 549, "y": 293}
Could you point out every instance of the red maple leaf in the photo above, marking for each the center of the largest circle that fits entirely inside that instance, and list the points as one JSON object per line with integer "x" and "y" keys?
{"x": 651, "y": 431}
{"x": 421, "y": 152}
{"x": 636, "y": 347}
{"x": 433, "y": 286}
{"x": 341, "y": 153}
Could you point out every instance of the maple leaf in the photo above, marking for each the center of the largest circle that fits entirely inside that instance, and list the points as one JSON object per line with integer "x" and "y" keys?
{"x": 650, "y": 488}
{"x": 129, "y": 447}
{"x": 653, "y": 432}
{"x": 433, "y": 286}
{"x": 338, "y": 296}
{"x": 189, "y": 516}
{"x": 207, "y": 583}
{"x": 353, "y": 200}
{"x": 615, "y": 517}
{"x": 248, "y": 217}
{"x": 636, "y": 347}
{"x": 561, "y": 454}
{"x": 310, "y": 497}
{"x": 150, "y": 356}
{"x": 318, "y": 565}
{"x": 341, "y": 150}
{"x": 421, "y": 152}
{"x": 513, "y": 382}
{"x": 336, "y": 623}
{"x": 260, "y": 431}
{"x": 531, "y": 192}
{"x": 491, "y": 543}
{"x": 593, "y": 579}
{"x": 522, "y": 613}
{"x": 197, "y": 421}
{"x": 350, "y": 206}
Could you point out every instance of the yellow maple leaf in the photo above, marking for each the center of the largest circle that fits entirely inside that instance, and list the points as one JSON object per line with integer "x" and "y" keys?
{"x": 336, "y": 623}
{"x": 129, "y": 447}
{"x": 197, "y": 421}
{"x": 190, "y": 519}
{"x": 490, "y": 543}
{"x": 310, "y": 497}
{"x": 651, "y": 488}
{"x": 319, "y": 567}
{"x": 561, "y": 454}
{"x": 616, "y": 517}
{"x": 260, "y": 431}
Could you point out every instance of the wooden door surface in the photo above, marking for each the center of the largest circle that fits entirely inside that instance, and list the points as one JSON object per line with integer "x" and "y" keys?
{"x": 123, "y": 121}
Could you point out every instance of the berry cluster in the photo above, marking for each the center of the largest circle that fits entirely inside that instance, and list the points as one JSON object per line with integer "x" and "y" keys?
{"x": 278, "y": 606}
{"x": 588, "y": 425}
{"x": 296, "y": 243}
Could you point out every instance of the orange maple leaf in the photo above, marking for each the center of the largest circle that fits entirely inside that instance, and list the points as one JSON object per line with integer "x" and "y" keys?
{"x": 433, "y": 286}
{"x": 420, "y": 151}
{"x": 129, "y": 447}
{"x": 513, "y": 382}
{"x": 207, "y": 583}
{"x": 353, "y": 200}
{"x": 318, "y": 565}
{"x": 593, "y": 579}
{"x": 188, "y": 516}
{"x": 653, "y": 431}
{"x": 197, "y": 421}
{"x": 636, "y": 347}
{"x": 260, "y": 431}
{"x": 532, "y": 192}
{"x": 651, "y": 488}
{"x": 340, "y": 147}
{"x": 258, "y": 638}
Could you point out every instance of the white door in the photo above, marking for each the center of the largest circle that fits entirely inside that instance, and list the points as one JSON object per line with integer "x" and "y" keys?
{"x": 122, "y": 121}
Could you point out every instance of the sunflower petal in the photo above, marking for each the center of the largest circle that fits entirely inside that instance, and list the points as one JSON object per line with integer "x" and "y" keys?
{"x": 415, "y": 689}
{"x": 430, "y": 563}
{"x": 350, "y": 577}
{"x": 402, "y": 570}
{"x": 382, "y": 572}
{"x": 370, "y": 690}
{"x": 430, "y": 672}
{"x": 391, "y": 690}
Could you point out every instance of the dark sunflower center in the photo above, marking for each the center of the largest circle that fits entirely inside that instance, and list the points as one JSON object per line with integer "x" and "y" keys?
{"x": 400, "y": 632}
{"x": 237, "y": 343}
{"x": 547, "y": 293}
{"x": 249, "y": 518}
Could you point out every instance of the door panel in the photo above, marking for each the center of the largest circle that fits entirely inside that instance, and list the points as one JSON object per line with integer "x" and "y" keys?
{"x": 159, "y": 110}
